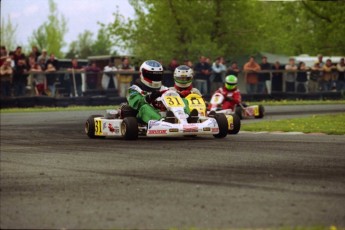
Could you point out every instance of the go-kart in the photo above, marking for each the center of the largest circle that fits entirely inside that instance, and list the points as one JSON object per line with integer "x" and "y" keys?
{"x": 242, "y": 110}
{"x": 123, "y": 122}
{"x": 195, "y": 101}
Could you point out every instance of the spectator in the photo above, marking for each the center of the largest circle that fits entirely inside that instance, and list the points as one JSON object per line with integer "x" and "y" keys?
{"x": 341, "y": 75}
{"x": 319, "y": 59}
{"x": 51, "y": 77}
{"x": 301, "y": 78}
{"x": 188, "y": 63}
{"x": 38, "y": 78}
{"x": 168, "y": 79}
{"x": 3, "y": 55}
{"x": 109, "y": 78}
{"x": 52, "y": 60}
{"x": 18, "y": 55}
{"x": 290, "y": 76}
{"x": 20, "y": 77}
{"x": 43, "y": 56}
{"x": 277, "y": 77}
{"x": 76, "y": 82}
{"x": 327, "y": 76}
{"x": 125, "y": 79}
{"x": 52, "y": 65}
{"x": 6, "y": 72}
{"x": 11, "y": 56}
{"x": 233, "y": 69}
{"x": 313, "y": 83}
{"x": 203, "y": 72}
{"x": 35, "y": 53}
{"x": 92, "y": 73}
{"x": 251, "y": 68}
{"x": 217, "y": 75}
{"x": 263, "y": 77}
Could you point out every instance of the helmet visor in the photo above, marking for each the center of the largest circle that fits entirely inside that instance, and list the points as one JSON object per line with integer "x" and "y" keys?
{"x": 230, "y": 86}
{"x": 184, "y": 78}
{"x": 152, "y": 75}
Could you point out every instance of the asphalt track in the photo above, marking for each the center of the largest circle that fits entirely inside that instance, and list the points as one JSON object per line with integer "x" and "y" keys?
{"x": 54, "y": 177}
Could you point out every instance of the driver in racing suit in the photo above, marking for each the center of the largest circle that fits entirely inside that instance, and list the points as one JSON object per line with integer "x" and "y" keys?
{"x": 183, "y": 78}
{"x": 232, "y": 95}
{"x": 143, "y": 93}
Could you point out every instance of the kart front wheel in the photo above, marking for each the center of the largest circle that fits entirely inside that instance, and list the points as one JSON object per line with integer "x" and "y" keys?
{"x": 129, "y": 128}
{"x": 236, "y": 124}
{"x": 222, "y": 125}
{"x": 238, "y": 112}
{"x": 90, "y": 126}
{"x": 261, "y": 112}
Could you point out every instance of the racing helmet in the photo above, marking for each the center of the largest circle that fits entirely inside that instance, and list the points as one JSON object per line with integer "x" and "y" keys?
{"x": 231, "y": 82}
{"x": 151, "y": 74}
{"x": 183, "y": 76}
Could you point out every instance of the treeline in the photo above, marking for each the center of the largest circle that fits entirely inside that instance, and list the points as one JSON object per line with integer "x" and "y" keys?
{"x": 181, "y": 29}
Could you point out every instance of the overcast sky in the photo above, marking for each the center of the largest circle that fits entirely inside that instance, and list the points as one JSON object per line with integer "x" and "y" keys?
{"x": 81, "y": 15}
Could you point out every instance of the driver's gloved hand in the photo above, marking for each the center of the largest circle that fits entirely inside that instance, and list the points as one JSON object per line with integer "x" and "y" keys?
{"x": 184, "y": 93}
{"x": 153, "y": 96}
{"x": 228, "y": 98}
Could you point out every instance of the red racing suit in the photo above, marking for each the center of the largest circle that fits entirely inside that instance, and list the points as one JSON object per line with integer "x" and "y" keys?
{"x": 231, "y": 98}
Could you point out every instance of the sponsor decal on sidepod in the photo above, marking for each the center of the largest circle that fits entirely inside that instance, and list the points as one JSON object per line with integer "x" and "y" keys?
{"x": 113, "y": 129}
{"x": 190, "y": 129}
{"x": 161, "y": 132}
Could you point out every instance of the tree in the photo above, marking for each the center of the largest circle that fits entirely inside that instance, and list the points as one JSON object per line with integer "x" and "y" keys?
{"x": 8, "y": 33}
{"x": 186, "y": 29}
{"x": 39, "y": 38}
{"x": 103, "y": 44}
{"x": 86, "y": 46}
{"x": 50, "y": 34}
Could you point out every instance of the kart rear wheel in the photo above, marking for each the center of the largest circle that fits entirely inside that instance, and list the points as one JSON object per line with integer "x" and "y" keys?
{"x": 129, "y": 128}
{"x": 237, "y": 125}
{"x": 222, "y": 125}
{"x": 90, "y": 126}
{"x": 261, "y": 112}
{"x": 127, "y": 111}
{"x": 238, "y": 112}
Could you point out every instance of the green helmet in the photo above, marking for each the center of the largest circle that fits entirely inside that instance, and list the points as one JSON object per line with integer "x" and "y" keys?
{"x": 231, "y": 82}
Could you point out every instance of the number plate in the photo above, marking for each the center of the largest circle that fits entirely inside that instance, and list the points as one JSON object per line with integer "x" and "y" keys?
{"x": 256, "y": 111}
{"x": 174, "y": 101}
{"x": 98, "y": 127}
{"x": 198, "y": 104}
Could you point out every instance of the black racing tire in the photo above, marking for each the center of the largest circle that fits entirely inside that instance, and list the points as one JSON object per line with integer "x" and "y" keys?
{"x": 238, "y": 112}
{"x": 129, "y": 128}
{"x": 90, "y": 126}
{"x": 237, "y": 124}
{"x": 127, "y": 111}
{"x": 261, "y": 112}
{"x": 222, "y": 124}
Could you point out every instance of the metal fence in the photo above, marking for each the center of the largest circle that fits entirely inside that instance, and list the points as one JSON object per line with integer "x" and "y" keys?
{"x": 67, "y": 83}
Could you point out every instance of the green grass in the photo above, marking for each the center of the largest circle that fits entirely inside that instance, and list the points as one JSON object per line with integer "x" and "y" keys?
{"x": 328, "y": 124}
{"x": 85, "y": 108}
{"x": 299, "y": 102}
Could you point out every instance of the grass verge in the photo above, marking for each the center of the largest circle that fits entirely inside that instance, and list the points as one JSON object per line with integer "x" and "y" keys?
{"x": 299, "y": 102}
{"x": 328, "y": 124}
{"x": 85, "y": 108}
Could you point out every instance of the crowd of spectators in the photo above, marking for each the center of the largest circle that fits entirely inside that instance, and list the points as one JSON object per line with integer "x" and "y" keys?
{"x": 38, "y": 74}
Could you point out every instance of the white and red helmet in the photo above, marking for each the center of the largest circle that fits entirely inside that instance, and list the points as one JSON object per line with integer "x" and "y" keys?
{"x": 151, "y": 74}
